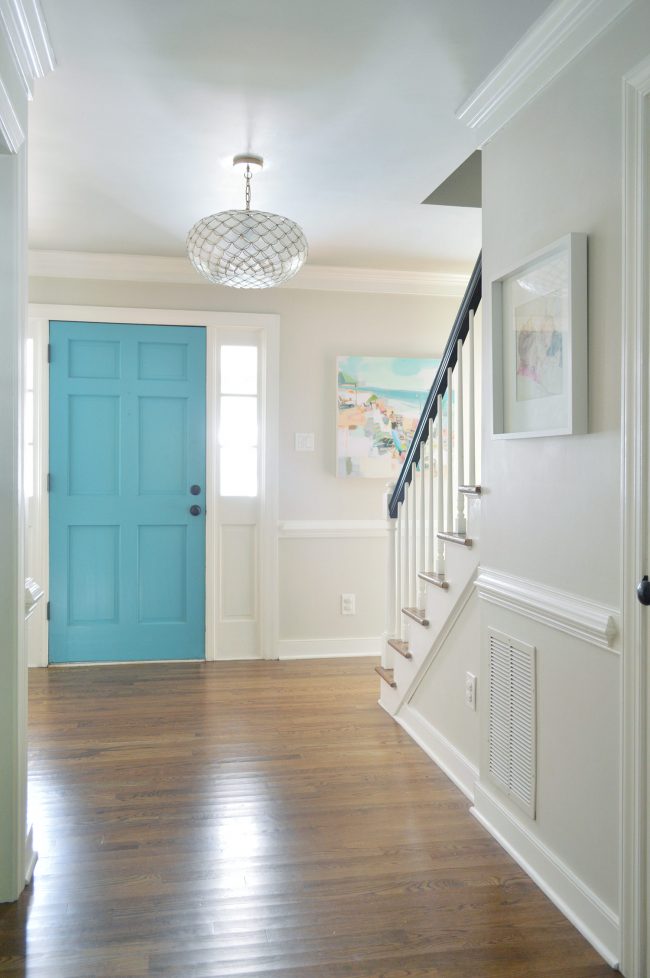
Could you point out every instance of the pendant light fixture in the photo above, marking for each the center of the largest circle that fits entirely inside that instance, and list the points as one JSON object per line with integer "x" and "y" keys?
{"x": 247, "y": 249}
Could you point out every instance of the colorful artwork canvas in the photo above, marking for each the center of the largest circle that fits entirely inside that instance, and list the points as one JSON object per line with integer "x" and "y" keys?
{"x": 380, "y": 400}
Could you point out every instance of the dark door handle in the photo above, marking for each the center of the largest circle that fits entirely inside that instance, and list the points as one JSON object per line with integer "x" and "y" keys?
{"x": 643, "y": 590}
{"x": 195, "y": 510}
{"x": 195, "y": 490}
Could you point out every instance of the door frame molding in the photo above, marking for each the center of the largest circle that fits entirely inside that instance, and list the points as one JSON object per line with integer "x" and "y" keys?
{"x": 267, "y": 325}
{"x": 635, "y": 430}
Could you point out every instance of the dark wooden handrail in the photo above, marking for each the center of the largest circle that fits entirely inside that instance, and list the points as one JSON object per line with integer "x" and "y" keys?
{"x": 460, "y": 329}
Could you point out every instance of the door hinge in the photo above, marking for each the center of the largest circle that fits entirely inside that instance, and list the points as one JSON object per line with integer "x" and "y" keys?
{"x": 49, "y": 353}
{"x": 49, "y": 482}
{"x": 47, "y": 611}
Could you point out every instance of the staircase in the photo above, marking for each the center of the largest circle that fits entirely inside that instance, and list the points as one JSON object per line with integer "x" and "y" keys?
{"x": 433, "y": 517}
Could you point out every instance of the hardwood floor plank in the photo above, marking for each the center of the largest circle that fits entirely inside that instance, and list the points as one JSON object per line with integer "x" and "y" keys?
{"x": 266, "y": 819}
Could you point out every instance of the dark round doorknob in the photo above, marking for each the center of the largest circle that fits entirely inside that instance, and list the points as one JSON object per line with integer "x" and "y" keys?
{"x": 643, "y": 590}
{"x": 195, "y": 510}
{"x": 195, "y": 490}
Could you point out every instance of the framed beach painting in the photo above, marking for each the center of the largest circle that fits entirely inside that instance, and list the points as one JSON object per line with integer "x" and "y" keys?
{"x": 379, "y": 403}
{"x": 539, "y": 343}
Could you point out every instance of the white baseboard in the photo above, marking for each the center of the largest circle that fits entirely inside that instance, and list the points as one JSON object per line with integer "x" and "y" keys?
{"x": 328, "y": 648}
{"x": 31, "y": 856}
{"x": 587, "y": 912}
{"x": 448, "y": 758}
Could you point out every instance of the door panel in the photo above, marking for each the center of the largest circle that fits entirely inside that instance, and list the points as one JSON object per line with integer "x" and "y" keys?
{"x": 127, "y": 440}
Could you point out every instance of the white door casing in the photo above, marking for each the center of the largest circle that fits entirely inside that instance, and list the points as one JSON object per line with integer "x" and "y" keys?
{"x": 266, "y": 329}
{"x": 635, "y": 697}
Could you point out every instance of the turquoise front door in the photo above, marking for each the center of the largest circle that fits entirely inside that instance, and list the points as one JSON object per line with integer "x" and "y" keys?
{"x": 127, "y": 492}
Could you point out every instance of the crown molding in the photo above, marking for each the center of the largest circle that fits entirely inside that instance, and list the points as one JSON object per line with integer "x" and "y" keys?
{"x": 11, "y": 132}
{"x": 24, "y": 27}
{"x": 563, "y": 31}
{"x": 179, "y": 271}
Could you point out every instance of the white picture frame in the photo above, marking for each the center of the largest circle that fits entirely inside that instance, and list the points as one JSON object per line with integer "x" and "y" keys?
{"x": 539, "y": 343}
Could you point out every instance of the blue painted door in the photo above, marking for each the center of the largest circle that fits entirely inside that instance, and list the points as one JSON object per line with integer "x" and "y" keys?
{"x": 127, "y": 444}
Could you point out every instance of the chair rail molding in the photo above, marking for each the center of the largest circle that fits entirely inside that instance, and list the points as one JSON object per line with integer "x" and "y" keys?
{"x": 332, "y": 529}
{"x": 157, "y": 268}
{"x": 562, "y": 32}
{"x": 635, "y": 953}
{"x": 579, "y": 617}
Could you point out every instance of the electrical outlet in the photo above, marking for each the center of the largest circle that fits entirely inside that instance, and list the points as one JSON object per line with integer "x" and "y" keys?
{"x": 348, "y": 604}
{"x": 470, "y": 690}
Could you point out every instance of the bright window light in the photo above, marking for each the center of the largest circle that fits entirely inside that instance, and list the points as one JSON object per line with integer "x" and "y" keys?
{"x": 239, "y": 370}
{"x": 238, "y": 470}
{"x": 238, "y": 421}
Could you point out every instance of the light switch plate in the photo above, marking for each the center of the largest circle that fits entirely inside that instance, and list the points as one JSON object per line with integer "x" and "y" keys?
{"x": 305, "y": 441}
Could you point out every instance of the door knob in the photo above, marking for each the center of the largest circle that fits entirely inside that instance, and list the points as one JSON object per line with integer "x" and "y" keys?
{"x": 195, "y": 510}
{"x": 195, "y": 490}
{"x": 643, "y": 590}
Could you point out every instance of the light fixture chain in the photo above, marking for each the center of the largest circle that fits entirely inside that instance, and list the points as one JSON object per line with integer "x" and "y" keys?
{"x": 248, "y": 187}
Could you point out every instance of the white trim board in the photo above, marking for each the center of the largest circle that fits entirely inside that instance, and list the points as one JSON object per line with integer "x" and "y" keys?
{"x": 635, "y": 692}
{"x": 584, "y": 619}
{"x": 556, "y": 39}
{"x": 332, "y": 529}
{"x": 157, "y": 268}
{"x": 579, "y": 904}
{"x": 26, "y": 32}
{"x": 328, "y": 648}
{"x": 11, "y": 131}
{"x": 449, "y": 759}
{"x": 268, "y": 326}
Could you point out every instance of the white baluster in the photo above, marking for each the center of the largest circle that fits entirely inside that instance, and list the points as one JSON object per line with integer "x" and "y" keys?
{"x": 430, "y": 534}
{"x": 459, "y": 523}
{"x": 413, "y": 506}
{"x": 387, "y": 652}
{"x": 471, "y": 475}
{"x": 440, "y": 547}
{"x": 450, "y": 457}
{"x": 406, "y": 591}
{"x": 398, "y": 573}
{"x": 422, "y": 563}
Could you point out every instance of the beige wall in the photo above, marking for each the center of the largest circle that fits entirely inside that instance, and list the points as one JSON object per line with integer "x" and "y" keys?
{"x": 552, "y": 510}
{"x": 315, "y": 328}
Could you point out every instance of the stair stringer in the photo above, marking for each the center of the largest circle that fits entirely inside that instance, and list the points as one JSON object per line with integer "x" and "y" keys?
{"x": 444, "y": 608}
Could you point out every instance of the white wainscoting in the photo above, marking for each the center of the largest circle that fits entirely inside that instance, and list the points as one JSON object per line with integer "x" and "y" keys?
{"x": 596, "y": 921}
{"x": 329, "y": 648}
{"x": 579, "y": 617}
{"x": 448, "y": 758}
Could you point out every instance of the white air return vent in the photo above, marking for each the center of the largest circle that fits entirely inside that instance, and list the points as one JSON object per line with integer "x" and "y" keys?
{"x": 511, "y": 739}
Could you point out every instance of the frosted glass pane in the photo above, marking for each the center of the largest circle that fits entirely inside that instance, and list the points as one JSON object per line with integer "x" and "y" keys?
{"x": 238, "y": 422}
{"x": 239, "y": 370}
{"x": 238, "y": 471}
{"x": 29, "y": 417}
{"x": 28, "y": 472}
{"x": 29, "y": 364}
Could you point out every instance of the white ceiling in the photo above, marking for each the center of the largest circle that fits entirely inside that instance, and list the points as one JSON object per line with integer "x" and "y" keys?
{"x": 351, "y": 102}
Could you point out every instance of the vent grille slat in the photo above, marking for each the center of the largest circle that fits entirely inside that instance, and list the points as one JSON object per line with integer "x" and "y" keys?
{"x": 512, "y": 741}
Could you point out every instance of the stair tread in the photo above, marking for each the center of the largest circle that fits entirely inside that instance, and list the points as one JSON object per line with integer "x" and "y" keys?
{"x": 417, "y": 614}
{"x": 459, "y": 538}
{"x": 470, "y": 490}
{"x": 432, "y": 578}
{"x": 401, "y": 647}
{"x": 387, "y": 675}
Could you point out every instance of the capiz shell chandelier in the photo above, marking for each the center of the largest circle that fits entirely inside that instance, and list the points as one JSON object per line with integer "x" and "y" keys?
{"x": 247, "y": 249}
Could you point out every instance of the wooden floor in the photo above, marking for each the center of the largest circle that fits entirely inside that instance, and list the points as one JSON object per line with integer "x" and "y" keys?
{"x": 259, "y": 819}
